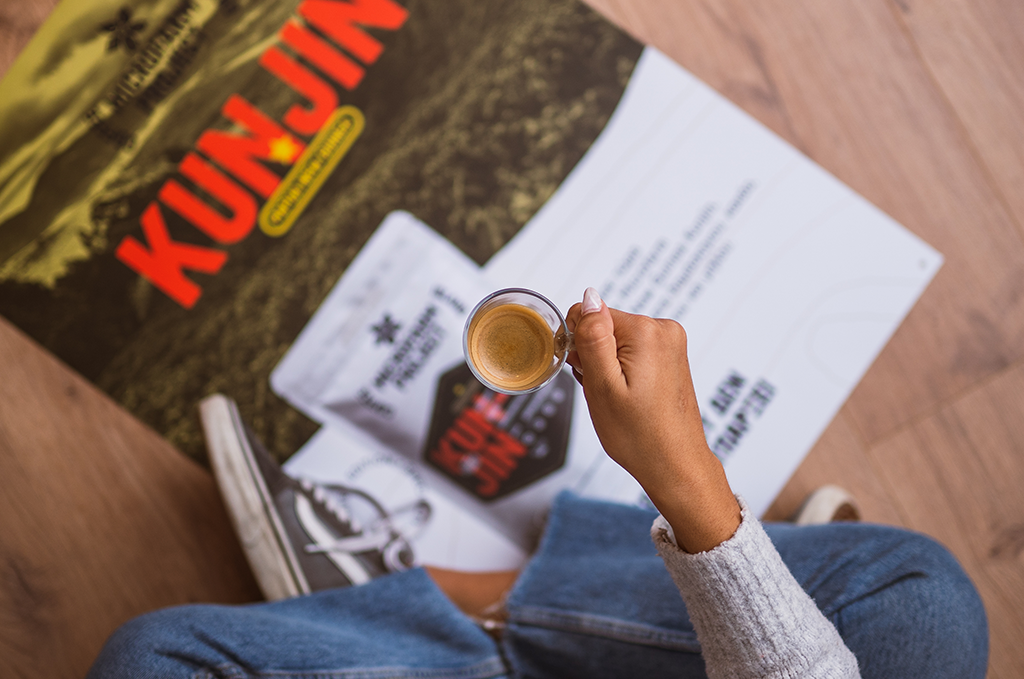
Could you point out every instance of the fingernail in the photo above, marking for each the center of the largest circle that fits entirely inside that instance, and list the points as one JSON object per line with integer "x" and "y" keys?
{"x": 591, "y": 301}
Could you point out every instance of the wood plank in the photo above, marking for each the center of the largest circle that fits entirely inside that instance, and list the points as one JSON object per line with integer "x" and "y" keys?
{"x": 844, "y": 83}
{"x": 101, "y": 519}
{"x": 957, "y": 475}
{"x": 975, "y": 51}
{"x": 839, "y": 458}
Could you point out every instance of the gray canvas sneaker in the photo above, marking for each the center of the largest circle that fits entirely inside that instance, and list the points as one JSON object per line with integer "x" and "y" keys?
{"x": 300, "y": 536}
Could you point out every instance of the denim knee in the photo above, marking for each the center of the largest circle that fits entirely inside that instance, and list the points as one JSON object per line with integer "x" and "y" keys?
{"x": 900, "y": 600}
{"x": 398, "y": 625}
{"x": 141, "y": 648}
{"x": 925, "y": 620}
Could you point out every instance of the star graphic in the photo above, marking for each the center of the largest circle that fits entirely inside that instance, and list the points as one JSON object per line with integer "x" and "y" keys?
{"x": 122, "y": 31}
{"x": 386, "y": 330}
{"x": 284, "y": 149}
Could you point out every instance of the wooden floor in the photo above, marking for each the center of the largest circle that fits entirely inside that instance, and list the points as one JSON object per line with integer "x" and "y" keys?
{"x": 917, "y": 105}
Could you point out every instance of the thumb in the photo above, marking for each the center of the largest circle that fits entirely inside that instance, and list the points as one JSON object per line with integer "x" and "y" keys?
{"x": 595, "y": 339}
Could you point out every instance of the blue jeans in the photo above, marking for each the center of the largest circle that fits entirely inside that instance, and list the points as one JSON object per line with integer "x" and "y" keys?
{"x": 595, "y": 601}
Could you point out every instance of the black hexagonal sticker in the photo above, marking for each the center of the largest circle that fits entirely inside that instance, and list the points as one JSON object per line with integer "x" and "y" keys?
{"x": 493, "y": 444}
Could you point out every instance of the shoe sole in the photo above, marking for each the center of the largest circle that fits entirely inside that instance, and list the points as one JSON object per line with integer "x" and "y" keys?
{"x": 249, "y": 502}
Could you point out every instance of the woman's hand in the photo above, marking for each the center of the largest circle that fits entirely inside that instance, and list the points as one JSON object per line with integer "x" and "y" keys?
{"x": 636, "y": 379}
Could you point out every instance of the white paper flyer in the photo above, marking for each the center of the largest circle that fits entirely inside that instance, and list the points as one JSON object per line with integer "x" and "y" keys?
{"x": 788, "y": 283}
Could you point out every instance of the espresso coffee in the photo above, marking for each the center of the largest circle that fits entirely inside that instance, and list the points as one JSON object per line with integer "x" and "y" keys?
{"x": 512, "y": 346}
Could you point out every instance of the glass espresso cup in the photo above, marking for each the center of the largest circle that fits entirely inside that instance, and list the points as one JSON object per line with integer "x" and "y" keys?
{"x": 516, "y": 341}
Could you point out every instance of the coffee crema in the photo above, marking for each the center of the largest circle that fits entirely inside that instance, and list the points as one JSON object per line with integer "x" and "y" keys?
{"x": 512, "y": 346}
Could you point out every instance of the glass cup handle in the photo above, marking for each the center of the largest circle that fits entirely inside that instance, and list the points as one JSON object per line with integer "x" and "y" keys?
{"x": 565, "y": 342}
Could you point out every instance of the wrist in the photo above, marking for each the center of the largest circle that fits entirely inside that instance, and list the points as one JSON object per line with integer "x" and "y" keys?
{"x": 700, "y": 507}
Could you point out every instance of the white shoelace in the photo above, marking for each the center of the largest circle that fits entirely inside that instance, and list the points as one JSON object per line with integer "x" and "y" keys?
{"x": 384, "y": 534}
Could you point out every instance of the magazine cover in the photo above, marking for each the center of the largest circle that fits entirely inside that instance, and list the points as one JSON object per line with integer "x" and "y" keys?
{"x": 182, "y": 182}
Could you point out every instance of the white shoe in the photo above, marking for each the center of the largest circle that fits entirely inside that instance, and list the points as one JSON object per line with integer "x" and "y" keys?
{"x": 825, "y": 505}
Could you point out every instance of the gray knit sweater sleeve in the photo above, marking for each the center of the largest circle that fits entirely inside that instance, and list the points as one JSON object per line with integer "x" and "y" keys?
{"x": 751, "y": 616}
